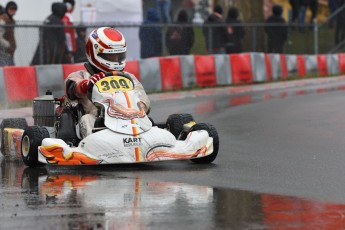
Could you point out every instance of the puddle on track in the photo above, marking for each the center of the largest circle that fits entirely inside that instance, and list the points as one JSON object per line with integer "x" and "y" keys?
{"x": 34, "y": 198}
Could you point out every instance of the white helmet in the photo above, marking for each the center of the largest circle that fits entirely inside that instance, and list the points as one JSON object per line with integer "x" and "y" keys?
{"x": 106, "y": 49}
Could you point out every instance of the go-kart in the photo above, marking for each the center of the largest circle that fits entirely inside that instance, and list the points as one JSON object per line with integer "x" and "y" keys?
{"x": 123, "y": 132}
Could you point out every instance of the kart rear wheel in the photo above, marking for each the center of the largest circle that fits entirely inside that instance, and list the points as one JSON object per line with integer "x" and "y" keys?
{"x": 175, "y": 123}
{"x": 212, "y": 132}
{"x": 32, "y": 138}
{"x": 19, "y": 123}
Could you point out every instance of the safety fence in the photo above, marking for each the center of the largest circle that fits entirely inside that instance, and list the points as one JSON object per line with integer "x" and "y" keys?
{"x": 302, "y": 39}
{"x": 23, "y": 83}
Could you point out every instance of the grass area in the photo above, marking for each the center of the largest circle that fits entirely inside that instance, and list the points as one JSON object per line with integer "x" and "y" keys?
{"x": 304, "y": 42}
{"x": 299, "y": 42}
{"x": 199, "y": 46}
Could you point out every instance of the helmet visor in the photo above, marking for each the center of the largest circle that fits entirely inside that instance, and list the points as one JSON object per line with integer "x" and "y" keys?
{"x": 113, "y": 57}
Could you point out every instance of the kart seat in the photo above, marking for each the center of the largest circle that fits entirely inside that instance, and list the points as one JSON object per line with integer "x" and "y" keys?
{"x": 67, "y": 130}
{"x": 99, "y": 124}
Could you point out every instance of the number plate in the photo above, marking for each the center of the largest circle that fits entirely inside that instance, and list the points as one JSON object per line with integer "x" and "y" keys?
{"x": 113, "y": 84}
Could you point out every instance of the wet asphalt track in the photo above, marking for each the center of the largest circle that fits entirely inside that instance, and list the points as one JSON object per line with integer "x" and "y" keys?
{"x": 280, "y": 165}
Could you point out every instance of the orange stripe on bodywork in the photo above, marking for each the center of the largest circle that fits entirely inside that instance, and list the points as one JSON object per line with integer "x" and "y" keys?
{"x": 129, "y": 102}
{"x": 134, "y": 128}
{"x": 137, "y": 154}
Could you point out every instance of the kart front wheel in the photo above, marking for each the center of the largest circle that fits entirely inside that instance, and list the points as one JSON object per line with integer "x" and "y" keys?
{"x": 32, "y": 138}
{"x": 18, "y": 123}
{"x": 212, "y": 132}
{"x": 175, "y": 123}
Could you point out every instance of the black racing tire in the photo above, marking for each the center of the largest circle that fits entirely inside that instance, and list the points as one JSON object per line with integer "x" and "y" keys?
{"x": 19, "y": 123}
{"x": 214, "y": 134}
{"x": 32, "y": 138}
{"x": 175, "y": 123}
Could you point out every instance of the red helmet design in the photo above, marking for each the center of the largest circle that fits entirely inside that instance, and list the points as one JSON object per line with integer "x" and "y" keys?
{"x": 106, "y": 49}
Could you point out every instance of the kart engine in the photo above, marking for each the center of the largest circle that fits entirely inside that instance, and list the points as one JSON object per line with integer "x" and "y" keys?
{"x": 44, "y": 110}
{"x": 60, "y": 119}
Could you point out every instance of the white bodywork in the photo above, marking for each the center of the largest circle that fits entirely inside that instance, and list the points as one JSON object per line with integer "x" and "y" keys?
{"x": 128, "y": 137}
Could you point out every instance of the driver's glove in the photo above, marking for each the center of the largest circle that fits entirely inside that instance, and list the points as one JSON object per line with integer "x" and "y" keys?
{"x": 97, "y": 77}
{"x": 82, "y": 86}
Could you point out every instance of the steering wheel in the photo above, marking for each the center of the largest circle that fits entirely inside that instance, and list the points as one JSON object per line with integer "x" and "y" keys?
{"x": 108, "y": 74}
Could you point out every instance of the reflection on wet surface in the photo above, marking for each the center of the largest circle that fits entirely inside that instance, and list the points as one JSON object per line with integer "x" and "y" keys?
{"x": 106, "y": 199}
{"x": 246, "y": 98}
{"x": 217, "y": 98}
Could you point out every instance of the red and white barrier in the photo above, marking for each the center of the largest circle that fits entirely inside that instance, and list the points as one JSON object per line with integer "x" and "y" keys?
{"x": 241, "y": 68}
{"x": 170, "y": 72}
{"x": 223, "y": 71}
{"x": 176, "y": 72}
{"x": 341, "y": 63}
{"x": 3, "y": 94}
{"x": 301, "y": 67}
{"x": 20, "y": 83}
{"x": 205, "y": 69}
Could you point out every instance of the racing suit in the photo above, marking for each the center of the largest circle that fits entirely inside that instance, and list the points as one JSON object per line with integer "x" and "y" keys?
{"x": 87, "y": 121}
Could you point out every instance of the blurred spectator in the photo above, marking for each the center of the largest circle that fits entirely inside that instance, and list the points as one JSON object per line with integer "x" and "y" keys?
{"x": 294, "y": 8}
{"x": 276, "y": 30}
{"x": 164, "y": 8}
{"x": 2, "y": 10}
{"x": 179, "y": 40}
{"x": 70, "y": 32}
{"x": 313, "y": 6}
{"x": 189, "y": 7}
{"x": 302, "y": 9}
{"x": 332, "y": 5}
{"x": 235, "y": 32}
{"x": 340, "y": 23}
{"x": 7, "y": 39}
{"x": 216, "y": 36}
{"x": 150, "y": 36}
{"x": 79, "y": 55}
{"x": 52, "y": 44}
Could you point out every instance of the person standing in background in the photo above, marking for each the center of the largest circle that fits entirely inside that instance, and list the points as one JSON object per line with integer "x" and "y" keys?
{"x": 294, "y": 10}
{"x": 313, "y": 6}
{"x": 52, "y": 44}
{"x": 215, "y": 36}
{"x": 79, "y": 55}
{"x": 190, "y": 7}
{"x": 164, "y": 8}
{"x": 70, "y": 32}
{"x": 302, "y": 9}
{"x": 7, "y": 39}
{"x": 276, "y": 30}
{"x": 150, "y": 36}
{"x": 2, "y": 10}
{"x": 180, "y": 39}
{"x": 236, "y": 32}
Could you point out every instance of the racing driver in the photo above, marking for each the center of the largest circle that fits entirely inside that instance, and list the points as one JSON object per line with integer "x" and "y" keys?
{"x": 105, "y": 51}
